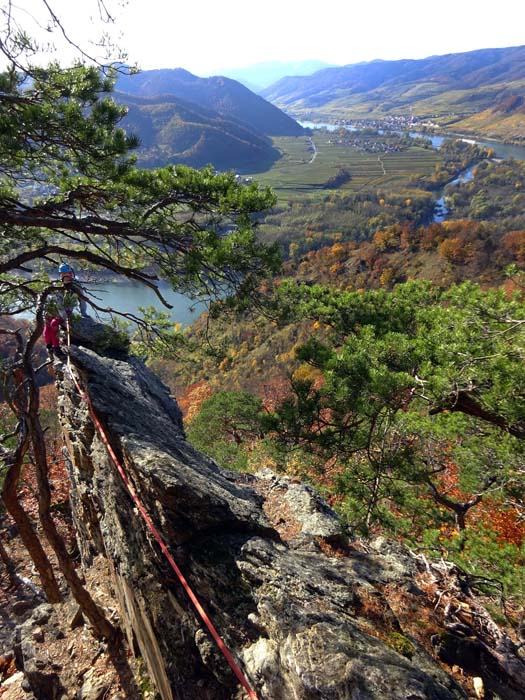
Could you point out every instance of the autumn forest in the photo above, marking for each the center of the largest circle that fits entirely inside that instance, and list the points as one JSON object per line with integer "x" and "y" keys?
{"x": 365, "y": 310}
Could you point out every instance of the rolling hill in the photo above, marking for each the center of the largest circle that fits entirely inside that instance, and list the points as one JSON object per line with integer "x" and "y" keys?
{"x": 451, "y": 90}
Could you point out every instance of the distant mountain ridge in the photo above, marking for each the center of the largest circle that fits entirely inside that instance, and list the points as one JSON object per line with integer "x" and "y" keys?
{"x": 225, "y": 96}
{"x": 452, "y": 87}
{"x": 181, "y": 118}
{"x": 259, "y": 76}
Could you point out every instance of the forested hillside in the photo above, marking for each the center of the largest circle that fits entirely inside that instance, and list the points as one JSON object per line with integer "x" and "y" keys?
{"x": 180, "y": 118}
{"x": 403, "y": 408}
{"x": 385, "y": 366}
{"x": 223, "y": 95}
{"x": 342, "y": 475}
{"x": 174, "y": 131}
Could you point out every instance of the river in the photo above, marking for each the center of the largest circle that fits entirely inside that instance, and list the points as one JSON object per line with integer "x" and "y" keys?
{"x": 127, "y": 297}
{"x": 501, "y": 150}
{"x": 441, "y": 211}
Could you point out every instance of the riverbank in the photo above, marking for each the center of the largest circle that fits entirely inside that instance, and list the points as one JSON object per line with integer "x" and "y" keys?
{"x": 436, "y": 136}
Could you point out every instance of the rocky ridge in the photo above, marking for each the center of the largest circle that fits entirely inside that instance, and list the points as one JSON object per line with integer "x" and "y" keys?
{"x": 308, "y": 613}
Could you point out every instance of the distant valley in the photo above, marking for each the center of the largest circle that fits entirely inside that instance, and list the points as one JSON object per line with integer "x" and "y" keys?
{"x": 479, "y": 92}
{"x": 261, "y": 75}
{"x": 181, "y": 118}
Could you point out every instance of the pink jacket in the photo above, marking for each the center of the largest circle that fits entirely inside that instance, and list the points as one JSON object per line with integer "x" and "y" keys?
{"x": 51, "y": 329}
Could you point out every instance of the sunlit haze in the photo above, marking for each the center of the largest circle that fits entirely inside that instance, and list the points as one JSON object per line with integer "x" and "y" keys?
{"x": 207, "y": 37}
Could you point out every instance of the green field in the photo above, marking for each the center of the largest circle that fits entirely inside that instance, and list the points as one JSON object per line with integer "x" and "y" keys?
{"x": 303, "y": 170}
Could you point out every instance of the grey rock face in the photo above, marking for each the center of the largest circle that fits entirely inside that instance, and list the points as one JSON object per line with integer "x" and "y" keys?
{"x": 265, "y": 556}
{"x": 98, "y": 336}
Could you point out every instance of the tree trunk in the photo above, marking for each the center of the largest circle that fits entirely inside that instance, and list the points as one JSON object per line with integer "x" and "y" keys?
{"x": 101, "y": 625}
{"x": 464, "y": 402}
{"x": 29, "y": 536}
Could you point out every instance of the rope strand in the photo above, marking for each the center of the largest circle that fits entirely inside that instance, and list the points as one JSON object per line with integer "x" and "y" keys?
{"x": 147, "y": 519}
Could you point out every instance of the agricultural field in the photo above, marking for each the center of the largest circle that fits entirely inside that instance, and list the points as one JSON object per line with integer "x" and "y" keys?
{"x": 309, "y": 163}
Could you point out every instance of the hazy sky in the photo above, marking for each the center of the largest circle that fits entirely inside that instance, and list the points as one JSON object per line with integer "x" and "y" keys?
{"x": 208, "y": 36}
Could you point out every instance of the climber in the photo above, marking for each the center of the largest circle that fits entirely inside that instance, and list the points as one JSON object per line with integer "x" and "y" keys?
{"x": 67, "y": 277}
{"x": 52, "y": 324}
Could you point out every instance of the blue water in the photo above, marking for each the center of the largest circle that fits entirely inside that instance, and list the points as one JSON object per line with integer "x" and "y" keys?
{"x": 441, "y": 211}
{"x": 127, "y": 298}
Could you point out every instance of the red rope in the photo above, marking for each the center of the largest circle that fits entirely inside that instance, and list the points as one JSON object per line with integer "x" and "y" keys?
{"x": 147, "y": 519}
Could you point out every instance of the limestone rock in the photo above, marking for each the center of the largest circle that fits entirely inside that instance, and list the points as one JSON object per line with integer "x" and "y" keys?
{"x": 98, "y": 336}
{"x": 309, "y": 615}
{"x": 93, "y": 687}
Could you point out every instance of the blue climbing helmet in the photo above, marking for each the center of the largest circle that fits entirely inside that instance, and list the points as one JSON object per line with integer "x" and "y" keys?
{"x": 64, "y": 267}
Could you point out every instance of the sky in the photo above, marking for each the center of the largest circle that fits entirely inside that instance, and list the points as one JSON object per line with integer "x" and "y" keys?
{"x": 207, "y": 37}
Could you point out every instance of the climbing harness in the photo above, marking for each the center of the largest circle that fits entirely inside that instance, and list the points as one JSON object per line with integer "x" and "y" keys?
{"x": 147, "y": 519}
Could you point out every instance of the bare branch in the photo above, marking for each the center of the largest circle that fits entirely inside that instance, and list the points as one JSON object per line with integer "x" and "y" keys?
{"x": 463, "y": 401}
